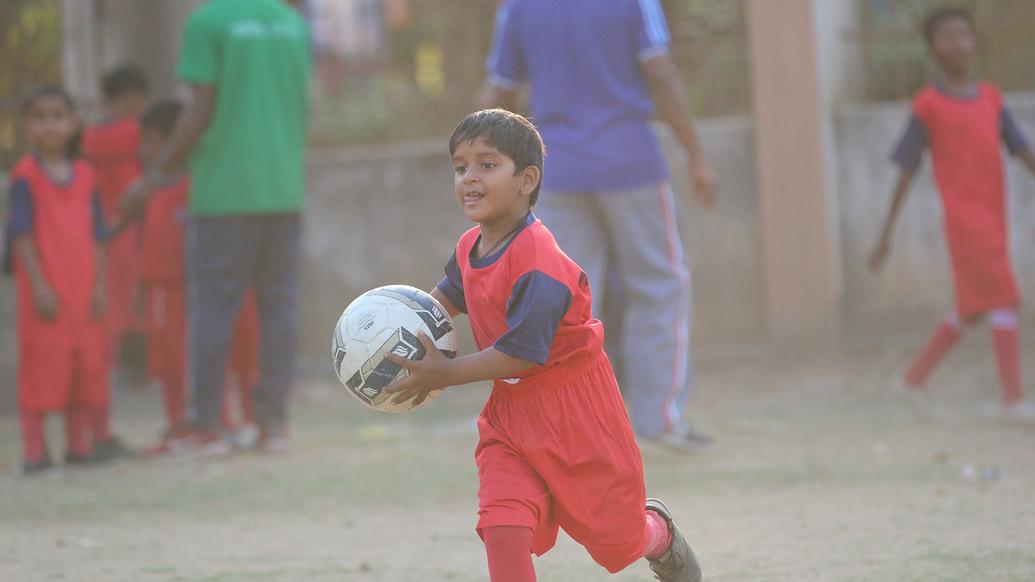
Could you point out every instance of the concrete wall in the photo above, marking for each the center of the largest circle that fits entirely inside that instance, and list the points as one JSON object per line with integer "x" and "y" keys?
{"x": 387, "y": 215}
{"x": 916, "y": 286}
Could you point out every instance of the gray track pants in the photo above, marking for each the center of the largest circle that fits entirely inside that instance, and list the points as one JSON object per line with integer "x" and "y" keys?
{"x": 638, "y": 229}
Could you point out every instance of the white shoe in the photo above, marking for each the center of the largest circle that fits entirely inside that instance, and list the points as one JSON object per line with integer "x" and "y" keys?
{"x": 1021, "y": 411}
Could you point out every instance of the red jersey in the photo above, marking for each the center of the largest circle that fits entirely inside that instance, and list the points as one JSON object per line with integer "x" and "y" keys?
{"x": 964, "y": 134}
{"x": 528, "y": 300}
{"x": 164, "y": 233}
{"x": 112, "y": 149}
{"x": 63, "y": 223}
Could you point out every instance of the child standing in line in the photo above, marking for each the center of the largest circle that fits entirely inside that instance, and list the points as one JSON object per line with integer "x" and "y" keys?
{"x": 963, "y": 123}
{"x": 111, "y": 147}
{"x": 163, "y": 291}
{"x": 55, "y": 225}
{"x": 555, "y": 447}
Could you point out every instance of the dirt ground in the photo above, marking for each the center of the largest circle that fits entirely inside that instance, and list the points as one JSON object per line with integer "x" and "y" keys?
{"x": 819, "y": 473}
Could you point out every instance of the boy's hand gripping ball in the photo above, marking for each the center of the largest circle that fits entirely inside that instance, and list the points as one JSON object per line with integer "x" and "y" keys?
{"x": 387, "y": 319}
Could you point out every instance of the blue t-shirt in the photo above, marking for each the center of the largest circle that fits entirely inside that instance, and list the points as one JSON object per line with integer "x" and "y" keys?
{"x": 588, "y": 94}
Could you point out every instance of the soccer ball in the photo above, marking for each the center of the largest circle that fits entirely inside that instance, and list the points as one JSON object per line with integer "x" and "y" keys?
{"x": 387, "y": 319}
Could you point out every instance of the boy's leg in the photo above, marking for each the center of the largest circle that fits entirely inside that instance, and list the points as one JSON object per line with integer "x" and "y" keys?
{"x": 1004, "y": 339}
{"x": 221, "y": 253}
{"x": 658, "y": 309}
{"x": 508, "y": 549}
{"x": 34, "y": 443}
{"x": 944, "y": 338}
{"x": 77, "y": 432}
{"x": 276, "y": 285}
{"x": 576, "y": 222}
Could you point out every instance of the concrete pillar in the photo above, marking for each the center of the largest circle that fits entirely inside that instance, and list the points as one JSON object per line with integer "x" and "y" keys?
{"x": 101, "y": 34}
{"x": 81, "y": 50}
{"x": 800, "y": 258}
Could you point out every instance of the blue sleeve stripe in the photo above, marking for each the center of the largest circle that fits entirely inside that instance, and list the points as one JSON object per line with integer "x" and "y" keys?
{"x": 1012, "y": 135}
{"x": 910, "y": 149}
{"x": 100, "y": 226}
{"x": 493, "y": 62}
{"x": 654, "y": 20}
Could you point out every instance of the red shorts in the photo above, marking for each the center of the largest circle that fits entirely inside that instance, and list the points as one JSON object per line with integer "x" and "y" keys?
{"x": 167, "y": 332}
{"x": 557, "y": 450}
{"x": 243, "y": 359}
{"x": 53, "y": 376}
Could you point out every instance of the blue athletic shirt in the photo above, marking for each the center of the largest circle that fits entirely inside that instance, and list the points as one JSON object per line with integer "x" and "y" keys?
{"x": 588, "y": 95}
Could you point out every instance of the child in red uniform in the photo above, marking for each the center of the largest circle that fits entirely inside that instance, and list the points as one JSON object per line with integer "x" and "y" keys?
{"x": 963, "y": 122}
{"x": 55, "y": 223}
{"x": 163, "y": 290}
{"x": 555, "y": 448}
{"x": 111, "y": 146}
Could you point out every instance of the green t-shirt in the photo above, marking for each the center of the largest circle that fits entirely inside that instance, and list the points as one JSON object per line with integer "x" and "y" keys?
{"x": 256, "y": 55}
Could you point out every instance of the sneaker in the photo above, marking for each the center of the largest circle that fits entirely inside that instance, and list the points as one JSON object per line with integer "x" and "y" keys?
{"x": 81, "y": 459}
{"x": 198, "y": 443}
{"x": 272, "y": 438}
{"x": 1021, "y": 411}
{"x": 677, "y": 563}
{"x": 684, "y": 440}
{"x": 36, "y": 466}
{"x": 110, "y": 449}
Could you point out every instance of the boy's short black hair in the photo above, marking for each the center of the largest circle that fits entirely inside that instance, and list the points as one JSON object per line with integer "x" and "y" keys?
{"x": 124, "y": 80}
{"x": 162, "y": 116}
{"x": 939, "y": 15}
{"x": 42, "y": 91}
{"x": 512, "y": 134}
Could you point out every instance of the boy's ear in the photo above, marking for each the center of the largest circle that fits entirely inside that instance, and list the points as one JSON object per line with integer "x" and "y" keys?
{"x": 530, "y": 178}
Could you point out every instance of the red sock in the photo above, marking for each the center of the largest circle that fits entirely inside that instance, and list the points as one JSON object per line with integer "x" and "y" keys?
{"x": 509, "y": 551}
{"x": 34, "y": 444}
{"x": 247, "y": 403}
{"x": 656, "y": 534}
{"x": 78, "y": 419}
{"x": 100, "y": 423}
{"x": 1004, "y": 339}
{"x": 175, "y": 399}
{"x": 944, "y": 338}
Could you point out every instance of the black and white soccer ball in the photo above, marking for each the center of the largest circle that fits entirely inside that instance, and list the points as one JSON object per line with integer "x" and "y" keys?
{"x": 387, "y": 319}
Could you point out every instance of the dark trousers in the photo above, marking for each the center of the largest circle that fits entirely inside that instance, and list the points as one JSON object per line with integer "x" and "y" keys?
{"x": 225, "y": 256}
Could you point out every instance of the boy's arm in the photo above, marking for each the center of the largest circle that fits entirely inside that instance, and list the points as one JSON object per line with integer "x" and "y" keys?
{"x": 880, "y": 254}
{"x": 1028, "y": 157}
{"x": 99, "y": 302}
{"x": 43, "y": 296}
{"x": 490, "y": 96}
{"x": 441, "y": 298}
{"x": 185, "y": 137}
{"x": 1016, "y": 142}
{"x": 435, "y": 371}
{"x": 670, "y": 98}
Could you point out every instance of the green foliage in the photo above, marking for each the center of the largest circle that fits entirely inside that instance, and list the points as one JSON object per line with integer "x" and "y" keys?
{"x": 895, "y": 51}
{"x": 30, "y": 40}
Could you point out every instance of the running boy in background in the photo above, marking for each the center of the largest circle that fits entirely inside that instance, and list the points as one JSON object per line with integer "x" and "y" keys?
{"x": 111, "y": 146}
{"x": 555, "y": 448}
{"x": 163, "y": 292}
{"x": 963, "y": 122}
{"x": 55, "y": 225}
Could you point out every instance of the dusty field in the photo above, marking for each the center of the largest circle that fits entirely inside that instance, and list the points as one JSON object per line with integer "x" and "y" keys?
{"x": 819, "y": 474}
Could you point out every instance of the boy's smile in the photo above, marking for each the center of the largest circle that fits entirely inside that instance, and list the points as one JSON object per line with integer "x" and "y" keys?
{"x": 488, "y": 188}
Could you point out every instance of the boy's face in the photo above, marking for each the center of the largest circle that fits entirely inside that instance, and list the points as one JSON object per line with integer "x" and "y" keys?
{"x": 50, "y": 124}
{"x": 151, "y": 142}
{"x": 952, "y": 43}
{"x": 130, "y": 104}
{"x": 486, "y": 186}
